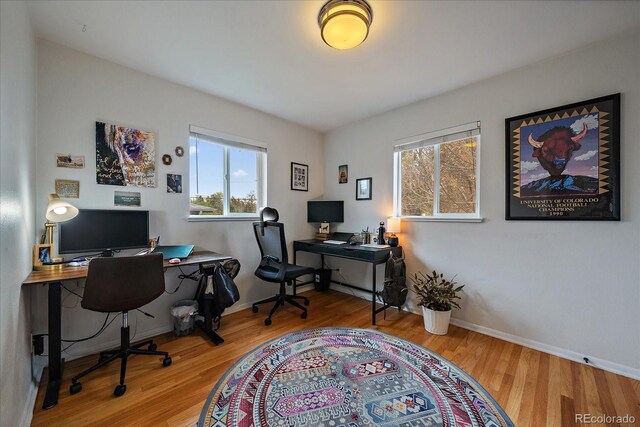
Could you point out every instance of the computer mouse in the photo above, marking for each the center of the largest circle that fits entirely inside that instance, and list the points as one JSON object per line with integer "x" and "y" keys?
{"x": 174, "y": 261}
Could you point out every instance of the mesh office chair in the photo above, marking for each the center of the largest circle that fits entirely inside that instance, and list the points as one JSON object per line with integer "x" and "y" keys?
{"x": 274, "y": 266}
{"x": 119, "y": 285}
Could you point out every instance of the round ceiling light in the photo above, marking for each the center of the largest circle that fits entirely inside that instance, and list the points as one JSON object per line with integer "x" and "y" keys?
{"x": 344, "y": 24}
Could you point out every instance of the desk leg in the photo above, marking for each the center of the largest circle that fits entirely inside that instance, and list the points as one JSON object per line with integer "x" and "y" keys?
{"x": 295, "y": 281}
{"x": 373, "y": 296}
{"x": 55, "y": 346}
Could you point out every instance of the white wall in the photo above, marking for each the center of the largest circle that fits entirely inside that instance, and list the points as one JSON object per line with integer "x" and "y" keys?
{"x": 17, "y": 183}
{"x": 560, "y": 286}
{"x": 75, "y": 90}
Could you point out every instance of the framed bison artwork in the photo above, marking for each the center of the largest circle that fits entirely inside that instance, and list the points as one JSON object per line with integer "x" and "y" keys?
{"x": 564, "y": 163}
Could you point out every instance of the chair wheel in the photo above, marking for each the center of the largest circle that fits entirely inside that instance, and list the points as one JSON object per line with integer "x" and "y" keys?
{"x": 254, "y": 309}
{"x": 304, "y": 315}
{"x": 75, "y": 388}
{"x": 166, "y": 361}
{"x": 306, "y": 302}
{"x": 153, "y": 347}
{"x": 267, "y": 321}
{"x": 119, "y": 390}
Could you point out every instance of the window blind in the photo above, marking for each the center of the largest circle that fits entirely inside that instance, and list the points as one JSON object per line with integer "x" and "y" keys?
{"x": 455, "y": 133}
{"x": 211, "y": 136}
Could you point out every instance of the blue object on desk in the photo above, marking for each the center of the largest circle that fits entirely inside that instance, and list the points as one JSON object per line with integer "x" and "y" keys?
{"x": 177, "y": 251}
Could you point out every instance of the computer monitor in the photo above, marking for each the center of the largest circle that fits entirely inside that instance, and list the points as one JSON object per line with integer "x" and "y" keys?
{"x": 325, "y": 211}
{"x": 102, "y": 230}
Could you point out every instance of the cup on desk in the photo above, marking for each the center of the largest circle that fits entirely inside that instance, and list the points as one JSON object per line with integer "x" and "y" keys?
{"x": 365, "y": 238}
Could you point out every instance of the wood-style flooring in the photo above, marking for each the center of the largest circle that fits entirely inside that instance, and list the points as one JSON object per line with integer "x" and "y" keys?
{"x": 535, "y": 389}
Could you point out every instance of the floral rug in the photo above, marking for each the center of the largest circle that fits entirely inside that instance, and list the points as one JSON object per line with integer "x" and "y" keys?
{"x": 345, "y": 377}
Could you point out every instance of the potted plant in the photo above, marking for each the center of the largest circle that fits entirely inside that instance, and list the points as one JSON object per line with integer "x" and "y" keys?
{"x": 436, "y": 296}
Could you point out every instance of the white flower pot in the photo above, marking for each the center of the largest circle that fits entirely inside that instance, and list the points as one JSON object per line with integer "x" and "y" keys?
{"x": 436, "y": 322}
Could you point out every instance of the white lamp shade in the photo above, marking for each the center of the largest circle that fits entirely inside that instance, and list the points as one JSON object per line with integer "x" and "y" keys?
{"x": 60, "y": 211}
{"x": 394, "y": 225}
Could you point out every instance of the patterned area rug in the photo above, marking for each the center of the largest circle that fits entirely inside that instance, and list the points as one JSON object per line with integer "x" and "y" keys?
{"x": 333, "y": 377}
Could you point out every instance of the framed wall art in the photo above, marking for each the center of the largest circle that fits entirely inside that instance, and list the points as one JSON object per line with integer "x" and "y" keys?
{"x": 563, "y": 163}
{"x": 126, "y": 198}
{"x": 69, "y": 161}
{"x": 174, "y": 183}
{"x": 343, "y": 174}
{"x": 125, "y": 156}
{"x": 67, "y": 188}
{"x": 363, "y": 188}
{"x": 299, "y": 177}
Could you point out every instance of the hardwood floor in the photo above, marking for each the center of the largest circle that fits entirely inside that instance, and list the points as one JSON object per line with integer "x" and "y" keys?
{"x": 534, "y": 388}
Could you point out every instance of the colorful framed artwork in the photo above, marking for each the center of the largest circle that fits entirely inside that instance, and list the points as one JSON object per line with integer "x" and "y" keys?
{"x": 299, "y": 177}
{"x": 125, "y": 156}
{"x": 68, "y": 189}
{"x": 563, "y": 163}
{"x": 363, "y": 188}
{"x": 174, "y": 183}
{"x": 343, "y": 174}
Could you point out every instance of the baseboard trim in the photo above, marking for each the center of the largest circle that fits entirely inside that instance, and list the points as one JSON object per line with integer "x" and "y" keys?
{"x": 595, "y": 362}
{"x": 30, "y": 403}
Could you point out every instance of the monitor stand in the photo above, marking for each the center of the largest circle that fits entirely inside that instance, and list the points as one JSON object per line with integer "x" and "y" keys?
{"x": 107, "y": 253}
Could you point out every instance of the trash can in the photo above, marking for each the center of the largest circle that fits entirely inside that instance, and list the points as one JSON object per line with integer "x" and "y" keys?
{"x": 183, "y": 314}
{"x": 322, "y": 279}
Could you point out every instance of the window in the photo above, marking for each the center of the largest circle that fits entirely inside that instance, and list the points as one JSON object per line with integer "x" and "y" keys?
{"x": 436, "y": 175}
{"x": 227, "y": 175}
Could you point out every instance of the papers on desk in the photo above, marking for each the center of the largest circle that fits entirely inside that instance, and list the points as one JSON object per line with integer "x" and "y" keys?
{"x": 334, "y": 242}
{"x": 374, "y": 245}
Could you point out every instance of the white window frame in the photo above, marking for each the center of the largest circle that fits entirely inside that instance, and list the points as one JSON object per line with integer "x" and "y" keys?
{"x": 232, "y": 141}
{"x": 435, "y": 139}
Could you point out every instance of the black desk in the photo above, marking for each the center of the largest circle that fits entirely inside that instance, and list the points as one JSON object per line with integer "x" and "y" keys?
{"x": 54, "y": 279}
{"x": 373, "y": 256}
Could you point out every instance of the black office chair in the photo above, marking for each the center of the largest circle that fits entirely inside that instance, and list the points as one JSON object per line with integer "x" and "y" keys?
{"x": 274, "y": 266}
{"x": 122, "y": 284}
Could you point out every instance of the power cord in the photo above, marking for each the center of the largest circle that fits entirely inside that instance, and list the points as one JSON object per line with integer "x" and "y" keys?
{"x": 195, "y": 276}
{"x": 70, "y": 292}
{"x": 105, "y": 325}
{"x": 325, "y": 265}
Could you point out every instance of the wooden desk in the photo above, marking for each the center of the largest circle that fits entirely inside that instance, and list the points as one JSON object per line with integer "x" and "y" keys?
{"x": 373, "y": 256}
{"x": 54, "y": 279}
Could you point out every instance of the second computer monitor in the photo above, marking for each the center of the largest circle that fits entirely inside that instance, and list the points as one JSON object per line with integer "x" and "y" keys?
{"x": 325, "y": 211}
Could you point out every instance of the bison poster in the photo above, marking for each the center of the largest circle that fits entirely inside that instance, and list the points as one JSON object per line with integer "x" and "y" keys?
{"x": 564, "y": 163}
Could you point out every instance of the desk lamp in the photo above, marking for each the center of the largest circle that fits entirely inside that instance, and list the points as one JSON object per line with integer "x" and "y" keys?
{"x": 394, "y": 226}
{"x": 57, "y": 211}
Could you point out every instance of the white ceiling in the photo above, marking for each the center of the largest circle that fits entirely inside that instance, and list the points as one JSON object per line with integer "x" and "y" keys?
{"x": 269, "y": 54}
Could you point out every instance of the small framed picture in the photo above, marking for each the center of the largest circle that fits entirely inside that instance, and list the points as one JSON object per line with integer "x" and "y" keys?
{"x": 343, "y": 174}
{"x": 299, "y": 177}
{"x": 68, "y": 189}
{"x": 69, "y": 161}
{"x": 126, "y": 198}
{"x": 42, "y": 254}
{"x": 363, "y": 188}
{"x": 174, "y": 183}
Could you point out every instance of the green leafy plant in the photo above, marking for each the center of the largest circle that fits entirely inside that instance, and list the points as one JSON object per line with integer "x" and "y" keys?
{"x": 435, "y": 292}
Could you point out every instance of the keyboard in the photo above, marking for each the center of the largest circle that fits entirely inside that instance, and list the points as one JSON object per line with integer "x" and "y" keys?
{"x": 334, "y": 242}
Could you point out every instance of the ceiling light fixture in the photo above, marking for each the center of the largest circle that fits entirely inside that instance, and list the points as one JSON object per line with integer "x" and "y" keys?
{"x": 344, "y": 24}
